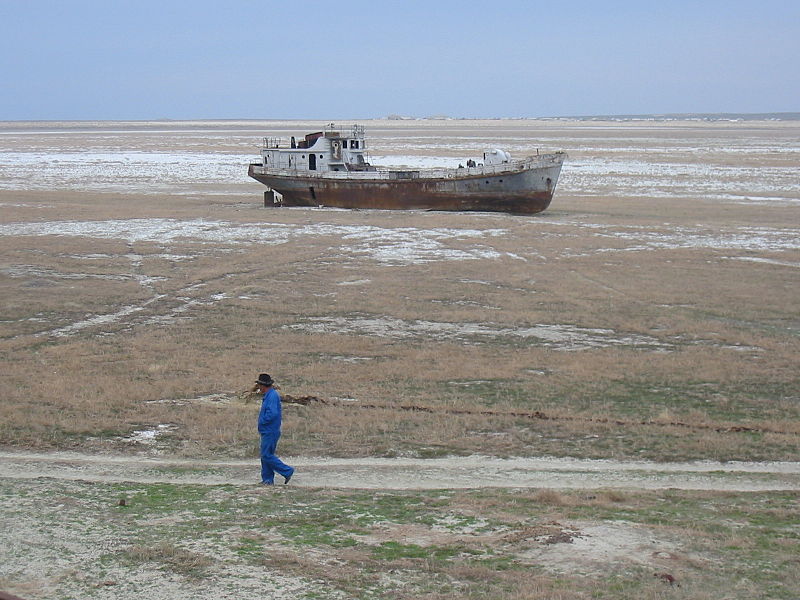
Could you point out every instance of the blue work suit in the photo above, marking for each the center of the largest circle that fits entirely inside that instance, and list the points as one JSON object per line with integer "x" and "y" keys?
{"x": 269, "y": 426}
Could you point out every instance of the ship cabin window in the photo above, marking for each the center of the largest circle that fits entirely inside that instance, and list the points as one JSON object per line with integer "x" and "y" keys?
{"x": 354, "y": 143}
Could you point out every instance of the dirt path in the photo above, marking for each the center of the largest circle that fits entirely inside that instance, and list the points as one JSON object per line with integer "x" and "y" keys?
{"x": 400, "y": 473}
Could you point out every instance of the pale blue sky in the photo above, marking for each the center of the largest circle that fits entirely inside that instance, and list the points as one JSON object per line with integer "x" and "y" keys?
{"x": 145, "y": 59}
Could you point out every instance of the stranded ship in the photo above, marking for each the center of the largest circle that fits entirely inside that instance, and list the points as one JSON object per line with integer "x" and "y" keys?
{"x": 329, "y": 168}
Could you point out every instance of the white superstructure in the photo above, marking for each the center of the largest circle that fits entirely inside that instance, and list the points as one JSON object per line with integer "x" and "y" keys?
{"x": 327, "y": 150}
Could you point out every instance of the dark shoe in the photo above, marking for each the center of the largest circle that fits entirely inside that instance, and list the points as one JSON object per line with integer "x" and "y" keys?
{"x": 286, "y": 479}
{"x": 267, "y": 483}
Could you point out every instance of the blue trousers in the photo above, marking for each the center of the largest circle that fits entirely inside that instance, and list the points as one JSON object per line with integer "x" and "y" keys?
{"x": 271, "y": 464}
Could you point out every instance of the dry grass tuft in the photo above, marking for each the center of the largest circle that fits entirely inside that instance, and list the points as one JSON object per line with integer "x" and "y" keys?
{"x": 551, "y": 497}
{"x": 170, "y": 555}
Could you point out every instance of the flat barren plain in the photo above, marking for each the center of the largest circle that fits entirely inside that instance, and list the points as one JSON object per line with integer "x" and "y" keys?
{"x": 600, "y": 401}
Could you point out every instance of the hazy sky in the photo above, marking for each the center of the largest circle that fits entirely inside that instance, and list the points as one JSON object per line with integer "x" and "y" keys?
{"x": 145, "y": 59}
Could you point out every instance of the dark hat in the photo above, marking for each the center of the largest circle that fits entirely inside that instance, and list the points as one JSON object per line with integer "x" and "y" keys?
{"x": 264, "y": 379}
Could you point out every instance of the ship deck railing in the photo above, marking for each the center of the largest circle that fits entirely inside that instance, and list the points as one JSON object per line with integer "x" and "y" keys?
{"x": 402, "y": 173}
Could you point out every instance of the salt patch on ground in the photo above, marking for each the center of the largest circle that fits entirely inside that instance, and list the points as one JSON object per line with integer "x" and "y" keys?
{"x": 355, "y": 282}
{"x": 149, "y": 436}
{"x": 595, "y": 546}
{"x": 136, "y": 259}
{"x": 668, "y": 237}
{"x": 560, "y": 337}
{"x": 143, "y": 230}
{"x": 27, "y": 271}
{"x": 100, "y": 320}
{"x": 138, "y": 314}
{"x": 143, "y": 172}
{"x": 460, "y": 524}
{"x": 638, "y": 178}
{"x": 349, "y": 359}
{"x": 24, "y": 205}
{"x": 187, "y": 304}
{"x": 768, "y": 261}
{"x": 401, "y": 245}
{"x": 217, "y": 398}
{"x": 755, "y": 238}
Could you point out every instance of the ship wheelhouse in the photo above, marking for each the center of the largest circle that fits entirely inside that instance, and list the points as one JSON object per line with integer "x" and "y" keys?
{"x": 328, "y": 150}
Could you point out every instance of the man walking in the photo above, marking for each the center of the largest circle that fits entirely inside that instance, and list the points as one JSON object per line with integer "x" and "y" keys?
{"x": 269, "y": 426}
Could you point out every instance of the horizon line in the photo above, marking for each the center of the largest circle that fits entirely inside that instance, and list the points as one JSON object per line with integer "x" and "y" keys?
{"x": 786, "y": 115}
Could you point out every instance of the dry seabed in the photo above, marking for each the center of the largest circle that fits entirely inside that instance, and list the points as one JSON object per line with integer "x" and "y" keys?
{"x": 633, "y": 349}
{"x": 404, "y": 246}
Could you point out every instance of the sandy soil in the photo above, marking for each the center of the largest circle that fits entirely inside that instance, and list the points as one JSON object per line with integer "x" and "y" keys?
{"x": 54, "y": 534}
{"x": 399, "y": 473}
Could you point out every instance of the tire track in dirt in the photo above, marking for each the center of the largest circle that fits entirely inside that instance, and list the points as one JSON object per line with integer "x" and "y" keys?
{"x": 409, "y": 473}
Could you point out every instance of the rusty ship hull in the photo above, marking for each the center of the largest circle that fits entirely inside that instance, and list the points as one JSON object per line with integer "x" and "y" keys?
{"x": 521, "y": 187}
